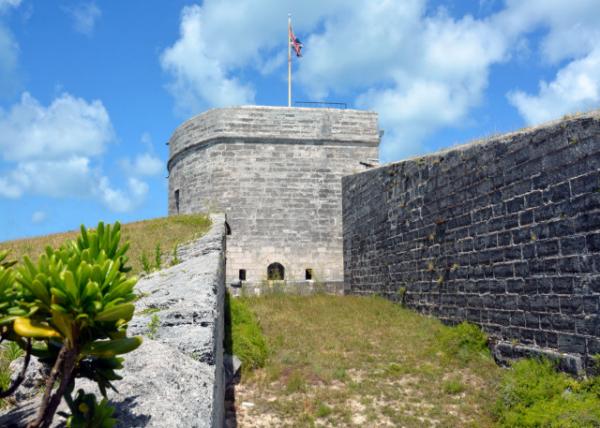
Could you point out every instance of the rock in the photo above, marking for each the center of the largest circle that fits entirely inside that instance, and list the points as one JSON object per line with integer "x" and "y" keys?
{"x": 35, "y": 378}
{"x": 161, "y": 387}
{"x": 232, "y": 366}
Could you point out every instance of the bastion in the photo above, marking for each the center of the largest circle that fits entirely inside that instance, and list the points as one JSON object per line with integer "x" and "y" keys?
{"x": 277, "y": 174}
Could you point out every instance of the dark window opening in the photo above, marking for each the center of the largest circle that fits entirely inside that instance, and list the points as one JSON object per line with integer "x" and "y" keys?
{"x": 177, "y": 200}
{"x": 308, "y": 274}
{"x": 227, "y": 228}
{"x": 242, "y": 274}
{"x": 275, "y": 272}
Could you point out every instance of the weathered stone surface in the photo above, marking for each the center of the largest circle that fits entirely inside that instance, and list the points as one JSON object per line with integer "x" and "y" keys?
{"x": 34, "y": 379}
{"x": 276, "y": 172}
{"x": 176, "y": 380}
{"x": 502, "y": 233}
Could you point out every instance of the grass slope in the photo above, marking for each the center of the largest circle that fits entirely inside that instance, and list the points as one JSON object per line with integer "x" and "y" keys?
{"x": 144, "y": 236}
{"x": 356, "y": 361}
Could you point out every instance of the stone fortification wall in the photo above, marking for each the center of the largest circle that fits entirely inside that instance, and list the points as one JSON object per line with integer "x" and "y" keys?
{"x": 504, "y": 233}
{"x": 276, "y": 173}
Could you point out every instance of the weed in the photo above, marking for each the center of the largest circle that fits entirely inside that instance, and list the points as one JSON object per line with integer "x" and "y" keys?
{"x": 145, "y": 263}
{"x": 142, "y": 295}
{"x": 402, "y": 295}
{"x": 174, "y": 259}
{"x": 157, "y": 257}
{"x": 430, "y": 267}
{"x": 295, "y": 383}
{"x": 323, "y": 410}
{"x": 11, "y": 351}
{"x": 533, "y": 237}
{"x": 153, "y": 326}
{"x": 149, "y": 311}
{"x": 453, "y": 387}
{"x": 464, "y": 342}
{"x": 534, "y": 394}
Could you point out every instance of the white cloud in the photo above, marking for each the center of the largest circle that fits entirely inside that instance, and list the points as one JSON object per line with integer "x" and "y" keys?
{"x": 38, "y": 217}
{"x": 68, "y": 126}
{"x": 7, "y": 4}
{"x": 570, "y": 32}
{"x": 197, "y": 77}
{"x": 84, "y": 17}
{"x": 119, "y": 200}
{"x": 57, "y": 178}
{"x": 145, "y": 164}
{"x": 427, "y": 71}
{"x": 9, "y": 52}
{"x": 50, "y": 151}
{"x": 570, "y": 28}
{"x": 576, "y": 88}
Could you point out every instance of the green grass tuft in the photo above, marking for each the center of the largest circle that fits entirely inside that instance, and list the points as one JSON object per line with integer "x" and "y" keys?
{"x": 243, "y": 335}
{"x": 534, "y": 394}
{"x": 464, "y": 342}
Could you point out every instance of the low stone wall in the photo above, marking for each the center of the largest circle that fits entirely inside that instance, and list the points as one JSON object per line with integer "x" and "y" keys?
{"x": 176, "y": 377}
{"x": 504, "y": 233}
{"x": 302, "y": 288}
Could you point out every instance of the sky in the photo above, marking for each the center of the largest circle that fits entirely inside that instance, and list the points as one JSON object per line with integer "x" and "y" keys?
{"x": 91, "y": 91}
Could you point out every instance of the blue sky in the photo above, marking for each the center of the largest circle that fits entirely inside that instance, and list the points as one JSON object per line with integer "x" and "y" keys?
{"x": 91, "y": 91}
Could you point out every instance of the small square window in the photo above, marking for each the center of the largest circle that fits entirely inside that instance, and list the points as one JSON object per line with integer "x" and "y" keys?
{"x": 308, "y": 275}
{"x": 242, "y": 274}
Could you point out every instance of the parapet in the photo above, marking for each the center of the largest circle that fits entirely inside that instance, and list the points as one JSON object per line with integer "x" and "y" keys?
{"x": 276, "y": 123}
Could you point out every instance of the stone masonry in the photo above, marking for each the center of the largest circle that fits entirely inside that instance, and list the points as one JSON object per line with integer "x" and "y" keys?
{"x": 504, "y": 233}
{"x": 276, "y": 173}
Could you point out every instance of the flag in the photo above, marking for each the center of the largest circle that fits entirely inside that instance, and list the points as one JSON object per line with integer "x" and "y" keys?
{"x": 296, "y": 43}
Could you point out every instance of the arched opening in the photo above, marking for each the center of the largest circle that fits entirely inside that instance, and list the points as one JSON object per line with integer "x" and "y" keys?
{"x": 275, "y": 272}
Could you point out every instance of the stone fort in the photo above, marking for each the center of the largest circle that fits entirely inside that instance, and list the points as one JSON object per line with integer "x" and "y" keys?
{"x": 503, "y": 232}
{"x": 277, "y": 174}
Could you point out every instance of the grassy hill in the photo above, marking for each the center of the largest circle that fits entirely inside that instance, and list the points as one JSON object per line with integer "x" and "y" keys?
{"x": 144, "y": 236}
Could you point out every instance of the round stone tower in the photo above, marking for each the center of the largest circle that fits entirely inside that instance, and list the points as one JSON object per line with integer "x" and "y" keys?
{"x": 276, "y": 173}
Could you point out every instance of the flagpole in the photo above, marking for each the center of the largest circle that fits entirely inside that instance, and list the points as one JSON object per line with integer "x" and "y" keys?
{"x": 289, "y": 60}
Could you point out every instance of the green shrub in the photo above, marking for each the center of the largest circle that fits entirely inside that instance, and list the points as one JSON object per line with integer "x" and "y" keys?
{"x": 534, "y": 394}
{"x": 464, "y": 342}
{"x": 243, "y": 336}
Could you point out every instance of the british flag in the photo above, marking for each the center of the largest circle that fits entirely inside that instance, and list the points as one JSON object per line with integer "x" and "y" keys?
{"x": 296, "y": 43}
